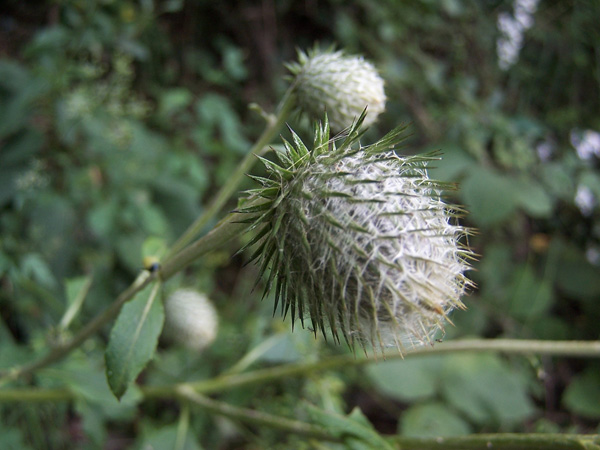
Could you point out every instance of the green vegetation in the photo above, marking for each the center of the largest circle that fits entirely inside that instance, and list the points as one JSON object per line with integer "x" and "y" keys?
{"x": 122, "y": 123}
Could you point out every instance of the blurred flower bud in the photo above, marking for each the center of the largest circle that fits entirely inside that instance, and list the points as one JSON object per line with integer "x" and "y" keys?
{"x": 338, "y": 84}
{"x": 359, "y": 238}
{"x": 190, "y": 319}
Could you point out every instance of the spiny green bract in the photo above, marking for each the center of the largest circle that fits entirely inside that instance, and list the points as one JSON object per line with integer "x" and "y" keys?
{"x": 358, "y": 238}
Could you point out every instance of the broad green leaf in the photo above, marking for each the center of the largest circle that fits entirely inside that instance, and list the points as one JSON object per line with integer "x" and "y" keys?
{"x": 432, "y": 420}
{"x": 489, "y": 196}
{"x": 486, "y": 389}
{"x": 453, "y": 164}
{"x": 532, "y": 197}
{"x": 577, "y": 277}
{"x": 529, "y": 297}
{"x": 583, "y": 394}
{"x": 408, "y": 379}
{"x": 76, "y": 290}
{"x": 133, "y": 338}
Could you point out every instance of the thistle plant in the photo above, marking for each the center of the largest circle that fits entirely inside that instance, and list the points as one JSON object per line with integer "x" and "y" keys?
{"x": 359, "y": 238}
{"x": 339, "y": 84}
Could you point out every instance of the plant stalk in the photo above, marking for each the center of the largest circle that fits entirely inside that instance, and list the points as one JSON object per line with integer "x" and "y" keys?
{"x": 274, "y": 125}
{"x": 254, "y": 417}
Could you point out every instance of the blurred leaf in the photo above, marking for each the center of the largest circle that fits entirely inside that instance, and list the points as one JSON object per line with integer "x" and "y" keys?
{"x": 486, "y": 390}
{"x": 167, "y": 438}
{"x": 432, "y": 420}
{"x": 454, "y": 163}
{"x": 11, "y": 438}
{"x": 173, "y": 101}
{"x": 408, "y": 379}
{"x": 529, "y": 297}
{"x": 355, "y": 429}
{"x": 582, "y": 396}
{"x": 489, "y": 196}
{"x": 532, "y": 197}
{"x": 577, "y": 277}
{"x": 76, "y": 290}
{"x": 133, "y": 338}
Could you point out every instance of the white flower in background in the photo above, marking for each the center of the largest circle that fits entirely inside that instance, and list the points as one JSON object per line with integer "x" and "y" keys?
{"x": 512, "y": 28}
{"x": 586, "y": 143}
{"x": 585, "y": 200}
{"x": 338, "y": 84}
{"x": 190, "y": 319}
{"x": 359, "y": 239}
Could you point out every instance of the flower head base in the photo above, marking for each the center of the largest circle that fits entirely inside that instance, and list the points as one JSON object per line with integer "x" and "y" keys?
{"x": 358, "y": 238}
{"x": 341, "y": 85}
{"x": 190, "y": 319}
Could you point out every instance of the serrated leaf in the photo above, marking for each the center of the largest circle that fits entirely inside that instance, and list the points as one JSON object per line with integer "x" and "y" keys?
{"x": 133, "y": 339}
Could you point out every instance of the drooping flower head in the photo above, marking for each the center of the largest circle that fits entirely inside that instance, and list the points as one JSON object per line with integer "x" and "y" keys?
{"x": 190, "y": 319}
{"x": 338, "y": 84}
{"x": 358, "y": 238}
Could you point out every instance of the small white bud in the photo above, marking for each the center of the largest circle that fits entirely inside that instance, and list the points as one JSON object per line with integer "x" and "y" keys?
{"x": 340, "y": 85}
{"x": 190, "y": 319}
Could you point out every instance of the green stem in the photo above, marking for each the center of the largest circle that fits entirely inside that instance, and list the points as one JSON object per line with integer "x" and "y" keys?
{"x": 274, "y": 125}
{"x": 222, "y": 233}
{"x": 63, "y": 349}
{"x": 254, "y": 417}
{"x": 511, "y": 346}
{"x": 502, "y": 441}
{"x": 573, "y": 349}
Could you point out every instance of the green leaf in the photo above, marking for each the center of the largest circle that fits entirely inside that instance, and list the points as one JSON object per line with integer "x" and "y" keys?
{"x": 529, "y": 297}
{"x": 489, "y": 196}
{"x": 532, "y": 197}
{"x": 432, "y": 420}
{"x": 486, "y": 389}
{"x": 577, "y": 277}
{"x": 133, "y": 339}
{"x": 583, "y": 394}
{"x": 76, "y": 289}
{"x": 408, "y": 379}
{"x": 355, "y": 429}
{"x": 167, "y": 438}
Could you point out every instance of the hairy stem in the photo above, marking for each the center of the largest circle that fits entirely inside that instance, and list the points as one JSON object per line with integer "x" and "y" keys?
{"x": 274, "y": 125}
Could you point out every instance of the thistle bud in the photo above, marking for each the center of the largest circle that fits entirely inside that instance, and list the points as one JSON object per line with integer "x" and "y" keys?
{"x": 338, "y": 84}
{"x": 190, "y": 319}
{"x": 359, "y": 239}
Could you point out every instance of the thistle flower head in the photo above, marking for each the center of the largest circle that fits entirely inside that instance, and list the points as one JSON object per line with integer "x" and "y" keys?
{"x": 190, "y": 319}
{"x": 341, "y": 85}
{"x": 359, "y": 239}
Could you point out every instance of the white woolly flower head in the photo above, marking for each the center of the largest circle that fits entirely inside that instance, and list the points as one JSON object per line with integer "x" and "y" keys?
{"x": 359, "y": 239}
{"x": 339, "y": 84}
{"x": 190, "y": 319}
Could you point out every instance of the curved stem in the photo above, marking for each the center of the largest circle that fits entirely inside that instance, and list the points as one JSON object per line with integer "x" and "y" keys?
{"x": 590, "y": 349}
{"x": 578, "y": 349}
{"x": 63, "y": 349}
{"x": 254, "y": 417}
{"x": 502, "y": 441}
{"x": 224, "y": 232}
{"x": 274, "y": 125}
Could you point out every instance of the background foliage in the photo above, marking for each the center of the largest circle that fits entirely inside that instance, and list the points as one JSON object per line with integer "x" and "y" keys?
{"x": 120, "y": 119}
